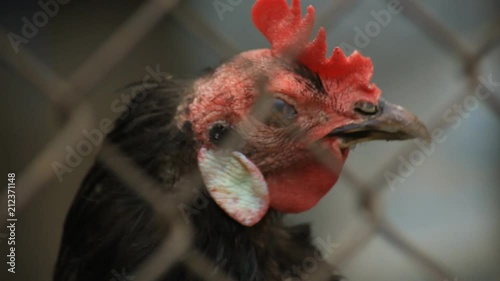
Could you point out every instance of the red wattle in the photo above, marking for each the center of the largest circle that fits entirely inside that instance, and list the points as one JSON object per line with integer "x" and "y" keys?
{"x": 299, "y": 187}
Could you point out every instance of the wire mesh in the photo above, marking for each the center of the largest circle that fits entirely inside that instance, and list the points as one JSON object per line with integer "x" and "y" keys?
{"x": 69, "y": 98}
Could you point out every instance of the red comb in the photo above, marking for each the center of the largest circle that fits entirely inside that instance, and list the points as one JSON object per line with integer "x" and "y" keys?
{"x": 289, "y": 35}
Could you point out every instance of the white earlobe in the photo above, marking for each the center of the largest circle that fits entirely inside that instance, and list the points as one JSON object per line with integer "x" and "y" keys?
{"x": 235, "y": 184}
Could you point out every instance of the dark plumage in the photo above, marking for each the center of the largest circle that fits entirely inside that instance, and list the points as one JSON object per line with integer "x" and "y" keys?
{"x": 109, "y": 227}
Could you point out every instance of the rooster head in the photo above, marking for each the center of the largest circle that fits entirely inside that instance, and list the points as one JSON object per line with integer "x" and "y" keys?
{"x": 312, "y": 100}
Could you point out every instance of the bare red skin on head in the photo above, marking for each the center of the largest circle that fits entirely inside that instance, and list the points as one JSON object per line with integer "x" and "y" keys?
{"x": 228, "y": 94}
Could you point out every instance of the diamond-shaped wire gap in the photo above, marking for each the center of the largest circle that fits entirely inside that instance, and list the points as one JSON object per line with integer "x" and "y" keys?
{"x": 407, "y": 247}
{"x": 147, "y": 188}
{"x": 179, "y": 238}
{"x": 35, "y": 71}
{"x": 399, "y": 242}
{"x": 440, "y": 32}
{"x": 397, "y": 239}
{"x": 357, "y": 240}
{"x": 333, "y": 13}
{"x": 118, "y": 45}
{"x": 212, "y": 37}
{"x": 419, "y": 14}
{"x": 436, "y": 122}
{"x": 39, "y": 171}
{"x": 404, "y": 245}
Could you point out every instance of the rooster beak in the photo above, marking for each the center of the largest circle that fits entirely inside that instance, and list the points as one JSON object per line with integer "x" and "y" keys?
{"x": 392, "y": 122}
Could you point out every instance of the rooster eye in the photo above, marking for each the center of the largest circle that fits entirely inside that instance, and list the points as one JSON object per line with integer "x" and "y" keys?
{"x": 217, "y": 132}
{"x": 365, "y": 108}
{"x": 282, "y": 114}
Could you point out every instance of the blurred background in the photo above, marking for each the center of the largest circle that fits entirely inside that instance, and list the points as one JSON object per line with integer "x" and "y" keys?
{"x": 433, "y": 57}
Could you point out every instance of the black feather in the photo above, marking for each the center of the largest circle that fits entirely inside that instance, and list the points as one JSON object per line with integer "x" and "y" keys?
{"x": 110, "y": 228}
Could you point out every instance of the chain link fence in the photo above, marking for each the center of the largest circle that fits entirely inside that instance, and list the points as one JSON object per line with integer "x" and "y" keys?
{"x": 70, "y": 103}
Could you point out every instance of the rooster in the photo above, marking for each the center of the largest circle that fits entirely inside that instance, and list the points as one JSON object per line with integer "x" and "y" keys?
{"x": 177, "y": 129}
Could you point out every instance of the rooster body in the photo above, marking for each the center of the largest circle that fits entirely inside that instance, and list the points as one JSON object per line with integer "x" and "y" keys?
{"x": 109, "y": 227}
{"x": 173, "y": 130}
